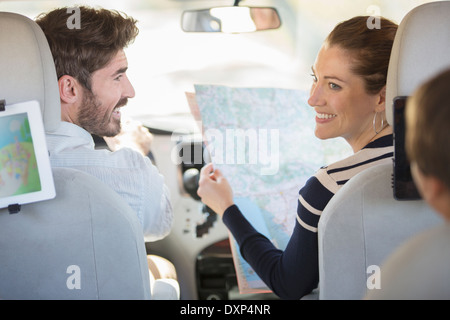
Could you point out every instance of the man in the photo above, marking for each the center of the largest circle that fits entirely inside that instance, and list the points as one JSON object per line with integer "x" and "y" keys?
{"x": 91, "y": 68}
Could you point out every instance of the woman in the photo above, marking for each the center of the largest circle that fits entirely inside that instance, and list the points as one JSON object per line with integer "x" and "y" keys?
{"x": 348, "y": 95}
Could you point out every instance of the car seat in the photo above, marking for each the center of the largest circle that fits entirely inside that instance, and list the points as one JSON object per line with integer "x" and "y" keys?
{"x": 86, "y": 243}
{"x": 363, "y": 223}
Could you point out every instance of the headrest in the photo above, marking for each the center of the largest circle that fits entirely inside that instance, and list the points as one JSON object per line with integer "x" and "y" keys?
{"x": 421, "y": 50}
{"x": 27, "y": 69}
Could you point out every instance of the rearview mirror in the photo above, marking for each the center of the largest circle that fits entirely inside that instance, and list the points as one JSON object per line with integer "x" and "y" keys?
{"x": 235, "y": 19}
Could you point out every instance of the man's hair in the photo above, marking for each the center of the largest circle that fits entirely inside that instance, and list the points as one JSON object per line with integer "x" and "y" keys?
{"x": 427, "y": 127}
{"x": 80, "y": 52}
{"x": 370, "y": 48}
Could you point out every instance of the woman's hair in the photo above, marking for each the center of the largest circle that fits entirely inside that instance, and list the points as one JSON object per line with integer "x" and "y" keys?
{"x": 427, "y": 127}
{"x": 79, "y": 52}
{"x": 370, "y": 48}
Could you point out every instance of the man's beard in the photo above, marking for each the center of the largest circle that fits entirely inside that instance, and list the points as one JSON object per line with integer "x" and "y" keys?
{"x": 91, "y": 118}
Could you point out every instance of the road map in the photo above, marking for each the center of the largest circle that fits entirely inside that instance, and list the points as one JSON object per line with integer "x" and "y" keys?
{"x": 263, "y": 141}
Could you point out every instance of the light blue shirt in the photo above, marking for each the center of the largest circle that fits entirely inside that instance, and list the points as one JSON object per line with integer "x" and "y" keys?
{"x": 126, "y": 171}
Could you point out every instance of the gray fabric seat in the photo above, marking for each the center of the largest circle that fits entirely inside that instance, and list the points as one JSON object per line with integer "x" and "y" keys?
{"x": 360, "y": 227}
{"x": 363, "y": 223}
{"x": 86, "y": 243}
{"x": 418, "y": 269}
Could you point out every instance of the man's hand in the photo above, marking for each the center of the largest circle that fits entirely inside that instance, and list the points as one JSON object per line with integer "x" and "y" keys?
{"x": 133, "y": 135}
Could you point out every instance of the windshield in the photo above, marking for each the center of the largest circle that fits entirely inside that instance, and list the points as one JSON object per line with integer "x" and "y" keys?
{"x": 165, "y": 62}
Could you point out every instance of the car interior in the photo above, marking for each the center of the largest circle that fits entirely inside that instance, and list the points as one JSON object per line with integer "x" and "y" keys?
{"x": 45, "y": 244}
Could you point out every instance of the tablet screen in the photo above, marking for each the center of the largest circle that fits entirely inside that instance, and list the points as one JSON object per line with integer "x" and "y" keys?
{"x": 25, "y": 173}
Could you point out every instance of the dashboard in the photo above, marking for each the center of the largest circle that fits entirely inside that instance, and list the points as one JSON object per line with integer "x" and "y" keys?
{"x": 195, "y": 228}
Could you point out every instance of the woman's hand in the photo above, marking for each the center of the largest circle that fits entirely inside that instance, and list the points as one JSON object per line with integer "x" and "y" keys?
{"x": 214, "y": 189}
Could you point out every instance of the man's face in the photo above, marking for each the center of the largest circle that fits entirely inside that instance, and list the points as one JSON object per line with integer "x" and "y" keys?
{"x": 100, "y": 109}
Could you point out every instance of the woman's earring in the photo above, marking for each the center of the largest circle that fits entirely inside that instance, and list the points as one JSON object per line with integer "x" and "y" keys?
{"x": 374, "y": 124}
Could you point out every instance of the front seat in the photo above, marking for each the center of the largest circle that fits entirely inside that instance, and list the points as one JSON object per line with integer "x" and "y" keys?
{"x": 86, "y": 243}
{"x": 363, "y": 223}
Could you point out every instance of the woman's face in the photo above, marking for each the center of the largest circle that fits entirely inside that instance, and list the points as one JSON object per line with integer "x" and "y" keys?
{"x": 343, "y": 107}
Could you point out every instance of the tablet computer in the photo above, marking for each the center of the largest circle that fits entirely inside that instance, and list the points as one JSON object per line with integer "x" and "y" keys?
{"x": 25, "y": 172}
{"x": 404, "y": 186}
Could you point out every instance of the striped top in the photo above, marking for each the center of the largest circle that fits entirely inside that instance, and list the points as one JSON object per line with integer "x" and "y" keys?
{"x": 294, "y": 272}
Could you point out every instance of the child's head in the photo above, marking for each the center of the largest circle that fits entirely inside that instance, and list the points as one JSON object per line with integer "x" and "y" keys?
{"x": 428, "y": 141}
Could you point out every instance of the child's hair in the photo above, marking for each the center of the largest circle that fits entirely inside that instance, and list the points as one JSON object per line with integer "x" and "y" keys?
{"x": 428, "y": 127}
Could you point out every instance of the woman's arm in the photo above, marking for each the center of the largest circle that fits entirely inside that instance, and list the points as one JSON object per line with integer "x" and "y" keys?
{"x": 291, "y": 273}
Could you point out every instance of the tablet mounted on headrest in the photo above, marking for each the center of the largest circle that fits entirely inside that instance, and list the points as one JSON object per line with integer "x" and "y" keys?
{"x": 25, "y": 172}
{"x": 403, "y": 183}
